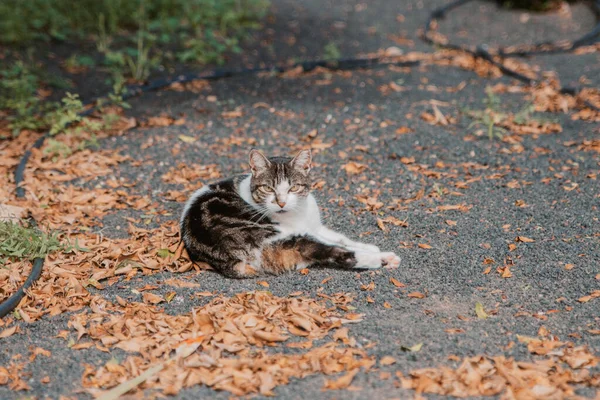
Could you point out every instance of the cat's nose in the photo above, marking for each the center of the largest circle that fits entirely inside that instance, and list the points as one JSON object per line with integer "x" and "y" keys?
{"x": 281, "y": 203}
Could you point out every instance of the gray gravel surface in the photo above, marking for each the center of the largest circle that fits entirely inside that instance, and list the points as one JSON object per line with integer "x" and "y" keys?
{"x": 359, "y": 121}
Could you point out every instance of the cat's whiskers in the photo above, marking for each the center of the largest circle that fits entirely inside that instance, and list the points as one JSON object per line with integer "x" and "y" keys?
{"x": 258, "y": 210}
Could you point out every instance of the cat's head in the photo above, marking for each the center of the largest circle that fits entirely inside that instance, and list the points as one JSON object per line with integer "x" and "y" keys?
{"x": 280, "y": 183}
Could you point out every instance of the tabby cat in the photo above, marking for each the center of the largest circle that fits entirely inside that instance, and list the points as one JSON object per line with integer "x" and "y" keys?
{"x": 268, "y": 222}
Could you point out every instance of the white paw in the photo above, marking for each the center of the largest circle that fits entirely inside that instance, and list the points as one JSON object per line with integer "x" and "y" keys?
{"x": 390, "y": 260}
{"x": 368, "y": 260}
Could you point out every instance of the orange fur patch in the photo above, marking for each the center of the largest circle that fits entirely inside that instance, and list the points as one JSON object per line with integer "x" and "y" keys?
{"x": 245, "y": 270}
{"x": 277, "y": 260}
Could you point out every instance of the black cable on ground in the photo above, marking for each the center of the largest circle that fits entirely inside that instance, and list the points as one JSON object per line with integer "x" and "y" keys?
{"x": 483, "y": 52}
{"x": 344, "y": 64}
{"x": 13, "y": 301}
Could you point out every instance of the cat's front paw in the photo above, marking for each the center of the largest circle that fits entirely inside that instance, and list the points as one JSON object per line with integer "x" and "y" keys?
{"x": 367, "y": 260}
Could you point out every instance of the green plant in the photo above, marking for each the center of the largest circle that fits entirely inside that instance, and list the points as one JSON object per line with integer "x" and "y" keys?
{"x": 116, "y": 96}
{"x": 26, "y": 242}
{"x": 76, "y": 61}
{"x": 331, "y": 52}
{"x": 65, "y": 114}
{"x": 496, "y": 122}
{"x": 489, "y": 120}
{"x": 56, "y": 149}
{"x": 207, "y": 28}
{"x": 103, "y": 39}
{"x": 215, "y": 26}
{"x": 18, "y": 86}
{"x": 490, "y": 117}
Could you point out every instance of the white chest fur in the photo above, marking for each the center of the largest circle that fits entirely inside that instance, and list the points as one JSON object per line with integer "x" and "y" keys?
{"x": 305, "y": 218}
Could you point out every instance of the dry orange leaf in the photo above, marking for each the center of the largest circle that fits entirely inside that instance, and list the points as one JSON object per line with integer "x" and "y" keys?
{"x": 181, "y": 283}
{"x": 396, "y": 282}
{"x": 424, "y": 246}
{"x": 263, "y": 283}
{"x": 80, "y": 346}
{"x": 9, "y": 332}
{"x": 368, "y": 287}
{"x": 387, "y": 360}
{"x": 416, "y": 295}
{"x": 151, "y": 298}
{"x": 524, "y": 239}
{"x": 342, "y": 382}
{"x": 270, "y": 336}
{"x": 354, "y": 168}
{"x": 454, "y": 331}
{"x": 403, "y": 130}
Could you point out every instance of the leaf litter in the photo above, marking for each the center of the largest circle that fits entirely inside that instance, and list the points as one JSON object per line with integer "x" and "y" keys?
{"x": 237, "y": 340}
{"x": 562, "y": 368}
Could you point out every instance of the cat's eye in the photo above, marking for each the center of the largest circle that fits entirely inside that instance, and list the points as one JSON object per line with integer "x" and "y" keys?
{"x": 296, "y": 188}
{"x": 266, "y": 189}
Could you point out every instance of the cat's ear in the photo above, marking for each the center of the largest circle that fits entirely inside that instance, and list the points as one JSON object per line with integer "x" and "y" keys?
{"x": 302, "y": 162}
{"x": 258, "y": 162}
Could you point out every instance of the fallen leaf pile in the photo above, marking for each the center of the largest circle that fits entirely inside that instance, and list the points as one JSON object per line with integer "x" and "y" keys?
{"x": 552, "y": 377}
{"x": 64, "y": 283}
{"x": 233, "y": 336}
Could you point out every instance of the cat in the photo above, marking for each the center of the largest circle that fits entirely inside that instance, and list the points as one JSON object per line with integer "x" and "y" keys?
{"x": 268, "y": 221}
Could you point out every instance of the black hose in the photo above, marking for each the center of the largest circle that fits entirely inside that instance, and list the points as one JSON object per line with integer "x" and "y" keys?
{"x": 482, "y": 51}
{"x": 13, "y": 301}
{"x": 343, "y": 64}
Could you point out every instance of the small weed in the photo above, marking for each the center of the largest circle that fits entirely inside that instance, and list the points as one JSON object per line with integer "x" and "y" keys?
{"x": 18, "y": 86}
{"x": 25, "y": 242}
{"x": 331, "y": 52}
{"x": 497, "y": 122}
{"x": 77, "y": 62}
{"x": 491, "y": 101}
{"x": 103, "y": 40}
{"x": 489, "y": 120}
{"x": 56, "y": 149}
{"x": 66, "y": 114}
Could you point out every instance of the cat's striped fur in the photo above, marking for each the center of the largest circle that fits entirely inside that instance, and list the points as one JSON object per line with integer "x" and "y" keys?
{"x": 268, "y": 222}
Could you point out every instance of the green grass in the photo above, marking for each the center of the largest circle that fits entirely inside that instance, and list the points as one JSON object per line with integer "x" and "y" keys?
{"x": 199, "y": 30}
{"x": 132, "y": 37}
{"x": 19, "y": 84}
{"x": 22, "y": 242}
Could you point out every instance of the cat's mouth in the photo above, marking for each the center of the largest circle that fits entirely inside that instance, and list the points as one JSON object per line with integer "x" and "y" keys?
{"x": 281, "y": 211}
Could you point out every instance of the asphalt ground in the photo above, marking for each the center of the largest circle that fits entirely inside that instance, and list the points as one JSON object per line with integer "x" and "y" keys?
{"x": 357, "y": 121}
